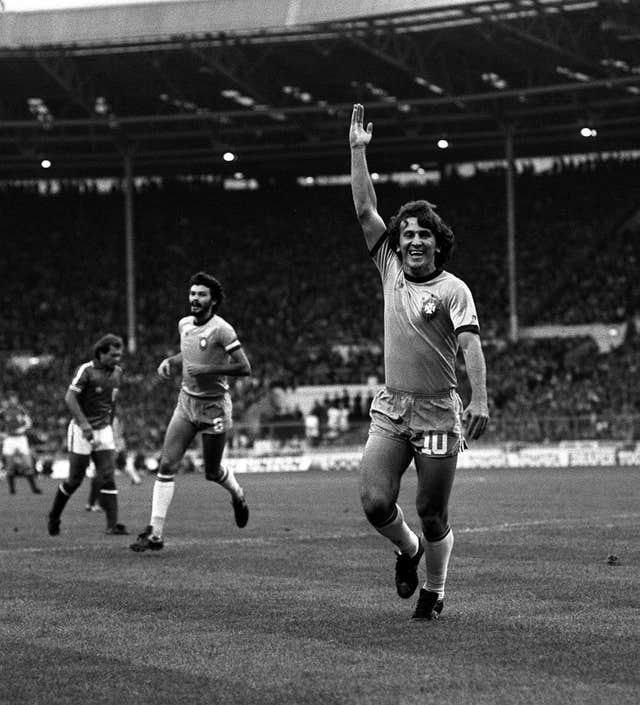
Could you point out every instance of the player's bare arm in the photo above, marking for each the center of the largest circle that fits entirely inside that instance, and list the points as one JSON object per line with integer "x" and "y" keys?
{"x": 26, "y": 424}
{"x": 364, "y": 195}
{"x": 170, "y": 365}
{"x": 476, "y": 414}
{"x": 71, "y": 400}
{"x": 237, "y": 366}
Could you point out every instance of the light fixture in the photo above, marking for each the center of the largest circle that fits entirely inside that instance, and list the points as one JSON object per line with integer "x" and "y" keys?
{"x": 229, "y": 156}
{"x": 588, "y": 131}
{"x": 442, "y": 143}
{"x": 45, "y": 164}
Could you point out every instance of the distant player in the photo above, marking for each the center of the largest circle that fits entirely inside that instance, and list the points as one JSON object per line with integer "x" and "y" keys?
{"x": 209, "y": 352}
{"x": 17, "y": 458}
{"x": 91, "y": 399}
{"x": 418, "y": 414}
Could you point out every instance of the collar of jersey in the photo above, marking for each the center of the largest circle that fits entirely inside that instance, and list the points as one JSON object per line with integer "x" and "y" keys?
{"x": 99, "y": 366}
{"x": 199, "y": 325}
{"x": 425, "y": 278}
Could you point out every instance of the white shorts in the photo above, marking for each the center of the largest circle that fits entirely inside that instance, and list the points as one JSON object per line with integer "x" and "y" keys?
{"x": 102, "y": 440}
{"x": 15, "y": 444}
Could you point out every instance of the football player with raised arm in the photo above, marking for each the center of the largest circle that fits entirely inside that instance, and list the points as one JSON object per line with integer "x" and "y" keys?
{"x": 417, "y": 415}
{"x": 209, "y": 352}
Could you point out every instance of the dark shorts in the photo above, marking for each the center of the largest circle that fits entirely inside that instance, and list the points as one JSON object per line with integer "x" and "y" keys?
{"x": 208, "y": 415}
{"x": 432, "y": 425}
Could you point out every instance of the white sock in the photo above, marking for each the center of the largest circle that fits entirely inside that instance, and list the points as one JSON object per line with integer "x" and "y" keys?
{"x": 230, "y": 483}
{"x": 398, "y": 532}
{"x": 436, "y": 555}
{"x": 162, "y": 496}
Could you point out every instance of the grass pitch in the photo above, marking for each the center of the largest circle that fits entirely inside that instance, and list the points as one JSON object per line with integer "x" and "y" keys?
{"x": 300, "y": 606}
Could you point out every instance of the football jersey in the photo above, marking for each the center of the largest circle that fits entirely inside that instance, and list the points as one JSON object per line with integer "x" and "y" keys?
{"x": 206, "y": 344}
{"x": 13, "y": 419}
{"x": 97, "y": 388}
{"x": 422, "y": 318}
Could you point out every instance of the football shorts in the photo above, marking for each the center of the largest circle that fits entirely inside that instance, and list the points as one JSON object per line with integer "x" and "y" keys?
{"x": 432, "y": 425}
{"x": 77, "y": 443}
{"x": 15, "y": 444}
{"x": 208, "y": 415}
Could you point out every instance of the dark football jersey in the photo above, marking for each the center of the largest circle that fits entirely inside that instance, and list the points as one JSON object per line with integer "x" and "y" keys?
{"x": 97, "y": 388}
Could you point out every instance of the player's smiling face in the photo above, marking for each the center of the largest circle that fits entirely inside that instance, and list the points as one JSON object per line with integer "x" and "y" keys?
{"x": 417, "y": 247}
{"x": 200, "y": 301}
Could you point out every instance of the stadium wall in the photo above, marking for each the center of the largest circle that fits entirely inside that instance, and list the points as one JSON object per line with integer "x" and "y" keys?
{"x": 578, "y": 454}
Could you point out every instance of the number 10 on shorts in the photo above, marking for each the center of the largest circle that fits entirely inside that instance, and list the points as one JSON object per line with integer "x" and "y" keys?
{"x": 435, "y": 443}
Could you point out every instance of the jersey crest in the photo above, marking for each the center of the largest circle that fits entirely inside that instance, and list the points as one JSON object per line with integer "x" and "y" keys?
{"x": 203, "y": 343}
{"x": 429, "y": 306}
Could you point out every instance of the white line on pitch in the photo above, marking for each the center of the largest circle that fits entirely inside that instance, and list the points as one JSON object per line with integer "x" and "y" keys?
{"x": 333, "y": 536}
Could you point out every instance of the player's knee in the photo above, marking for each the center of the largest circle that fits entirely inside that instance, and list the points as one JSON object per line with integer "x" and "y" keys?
{"x": 215, "y": 473}
{"x": 434, "y": 521}
{"x": 71, "y": 485}
{"x": 166, "y": 471}
{"x": 377, "y": 507}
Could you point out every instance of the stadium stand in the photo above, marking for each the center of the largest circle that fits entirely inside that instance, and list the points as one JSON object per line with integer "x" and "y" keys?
{"x": 312, "y": 316}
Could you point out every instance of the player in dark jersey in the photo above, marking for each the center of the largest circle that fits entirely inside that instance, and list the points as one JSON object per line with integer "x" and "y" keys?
{"x": 91, "y": 399}
{"x": 418, "y": 414}
{"x": 209, "y": 352}
{"x": 17, "y": 458}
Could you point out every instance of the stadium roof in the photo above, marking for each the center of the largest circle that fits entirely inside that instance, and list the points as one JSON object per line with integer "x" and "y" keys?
{"x": 176, "y": 85}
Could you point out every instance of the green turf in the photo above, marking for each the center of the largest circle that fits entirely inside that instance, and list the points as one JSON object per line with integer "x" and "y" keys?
{"x": 300, "y": 607}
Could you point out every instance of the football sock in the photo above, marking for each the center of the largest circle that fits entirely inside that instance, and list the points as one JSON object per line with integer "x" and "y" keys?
{"x": 60, "y": 500}
{"x": 229, "y": 482}
{"x": 163, "y": 490}
{"x": 108, "y": 500}
{"x": 398, "y": 532}
{"x": 437, "y": 554}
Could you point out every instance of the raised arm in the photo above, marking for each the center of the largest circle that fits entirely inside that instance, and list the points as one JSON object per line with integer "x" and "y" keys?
{"x": 364, "y": 195}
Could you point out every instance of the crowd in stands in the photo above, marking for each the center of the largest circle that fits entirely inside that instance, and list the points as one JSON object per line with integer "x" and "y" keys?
{"x": 305, "y": 299}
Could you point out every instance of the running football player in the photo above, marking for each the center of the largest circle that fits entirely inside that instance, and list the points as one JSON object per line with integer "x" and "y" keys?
{"x": 209, "y": 352}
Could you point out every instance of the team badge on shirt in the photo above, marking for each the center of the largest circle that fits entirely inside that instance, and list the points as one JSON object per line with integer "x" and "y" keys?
{"x": 203, "y": 343}
{"x": 429, "y": 306}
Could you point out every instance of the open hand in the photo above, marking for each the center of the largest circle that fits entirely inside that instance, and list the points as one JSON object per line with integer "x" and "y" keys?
{"x": 358, "y": 136}
{"x": 475, "y": 419}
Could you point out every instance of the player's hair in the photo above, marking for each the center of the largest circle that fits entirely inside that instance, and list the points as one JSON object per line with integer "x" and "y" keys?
{"x": 105, "y": 343}
{"x": 214, "y": 286}
{"x": 427, "y": 218}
